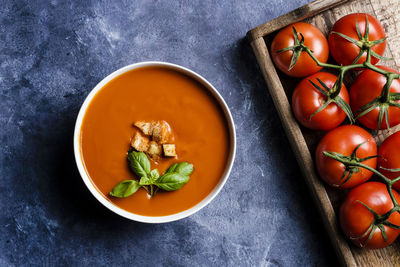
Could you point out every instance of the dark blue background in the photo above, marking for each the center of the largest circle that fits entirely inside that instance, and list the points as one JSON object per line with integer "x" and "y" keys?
{"x": 52, "y": 53}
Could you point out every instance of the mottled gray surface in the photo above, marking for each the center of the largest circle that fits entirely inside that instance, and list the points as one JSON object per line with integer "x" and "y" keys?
{"x": 53, "y": 53}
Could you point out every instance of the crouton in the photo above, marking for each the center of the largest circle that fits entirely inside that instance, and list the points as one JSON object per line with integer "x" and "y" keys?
{"x": 169, "y": 150}
{"x": 145, "y": 127}
{"x": 161, "y": 132}
{"x": 154, "y": 150}
{"x": 140, "y": 142}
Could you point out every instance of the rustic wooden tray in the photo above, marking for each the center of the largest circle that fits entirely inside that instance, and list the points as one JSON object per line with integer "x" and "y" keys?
{"x": 323, "y": 13}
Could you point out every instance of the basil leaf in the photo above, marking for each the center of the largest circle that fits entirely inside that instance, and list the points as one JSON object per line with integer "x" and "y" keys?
{"x": 171, "y": 168}
{"x": 171, "y": 181}
{"x": 145, "y": 181}
{"x": 139, "y": 163}
{"x": 154, "y": 174}
{"x": 182, "y": 168}
{"x": 125, "y": 188}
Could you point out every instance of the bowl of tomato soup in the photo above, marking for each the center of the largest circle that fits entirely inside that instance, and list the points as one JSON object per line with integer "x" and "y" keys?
{"x": 203, "y": 135}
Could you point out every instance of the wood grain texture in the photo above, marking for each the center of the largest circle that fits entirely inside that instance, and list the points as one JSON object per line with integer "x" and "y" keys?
{"x": 291, "y": 17}
{"x": 322, "y": 14}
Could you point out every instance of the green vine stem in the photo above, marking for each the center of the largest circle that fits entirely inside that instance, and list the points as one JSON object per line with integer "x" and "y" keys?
{"x": 332, "y": 96}
{"x": 350, "y": 167}
{"x": 351, "y": 163}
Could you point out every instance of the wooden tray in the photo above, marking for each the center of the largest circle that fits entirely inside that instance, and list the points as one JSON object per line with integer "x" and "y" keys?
{"x": 323, "y": 13}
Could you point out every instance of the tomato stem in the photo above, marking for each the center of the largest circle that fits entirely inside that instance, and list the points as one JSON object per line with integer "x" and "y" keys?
{"x": 319, "y": 63}
{"x": 355, "y": 163}
{"x": 332, "y": 97}
{"x": 385, "y": 95}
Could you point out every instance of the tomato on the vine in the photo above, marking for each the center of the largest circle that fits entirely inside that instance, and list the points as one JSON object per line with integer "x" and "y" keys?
{"x": 306, "y": 100}
{"x": 305, "y": 65}
{"x": 347, "y": 51}
{"x": 351, "y": 141}
{"x": 390, "y": 157}
{"x": 367, "y": 87}
{"x": 359, "y": 224}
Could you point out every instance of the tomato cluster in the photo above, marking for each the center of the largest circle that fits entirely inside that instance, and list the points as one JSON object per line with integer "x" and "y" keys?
{"x": 348, "y": 156}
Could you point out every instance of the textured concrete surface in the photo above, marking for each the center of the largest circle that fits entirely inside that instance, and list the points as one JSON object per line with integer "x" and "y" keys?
{"x": 52, "y": 53}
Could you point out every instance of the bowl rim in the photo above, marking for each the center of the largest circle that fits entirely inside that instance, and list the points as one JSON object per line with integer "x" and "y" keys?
{"x": 166, "y": 218}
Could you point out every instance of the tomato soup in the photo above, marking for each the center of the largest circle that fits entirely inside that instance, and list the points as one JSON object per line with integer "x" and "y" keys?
{"x": 198, "y": 123}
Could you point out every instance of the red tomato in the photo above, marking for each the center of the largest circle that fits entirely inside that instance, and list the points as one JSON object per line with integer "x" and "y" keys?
{"x": 313, "y": 38}
{"x": 355, "y": 218}
{"x": 390, "y": 152}
{"x": 344, "y": 51}
{"x": 344, "y": 140}
{"x": 366, "y": 88}
{"x": 306, "y": 100}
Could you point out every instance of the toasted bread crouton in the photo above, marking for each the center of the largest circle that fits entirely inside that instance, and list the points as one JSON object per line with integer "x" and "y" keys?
{"x": 161, "y": 132}
{"x": 140, "y": 142}
{"x": 154, "y": 149}
{"x": 169, "y": 150}
{"x": 145, "y": 127}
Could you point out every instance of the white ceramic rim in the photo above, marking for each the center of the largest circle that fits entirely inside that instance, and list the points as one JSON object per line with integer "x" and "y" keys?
{"x": 155, "y": 219}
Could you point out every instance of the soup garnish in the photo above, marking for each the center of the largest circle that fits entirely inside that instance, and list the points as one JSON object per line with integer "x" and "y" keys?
{"x": 151, "y": 137}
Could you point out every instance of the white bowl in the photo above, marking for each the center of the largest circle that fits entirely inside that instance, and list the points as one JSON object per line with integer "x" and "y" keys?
{"x": 154, "y": 219}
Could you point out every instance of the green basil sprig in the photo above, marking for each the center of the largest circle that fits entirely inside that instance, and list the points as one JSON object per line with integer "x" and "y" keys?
{"x": 176, "y": 176}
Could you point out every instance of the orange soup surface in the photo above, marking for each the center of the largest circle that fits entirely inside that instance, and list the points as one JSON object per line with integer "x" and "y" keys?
{"x": 155, "y": 93}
